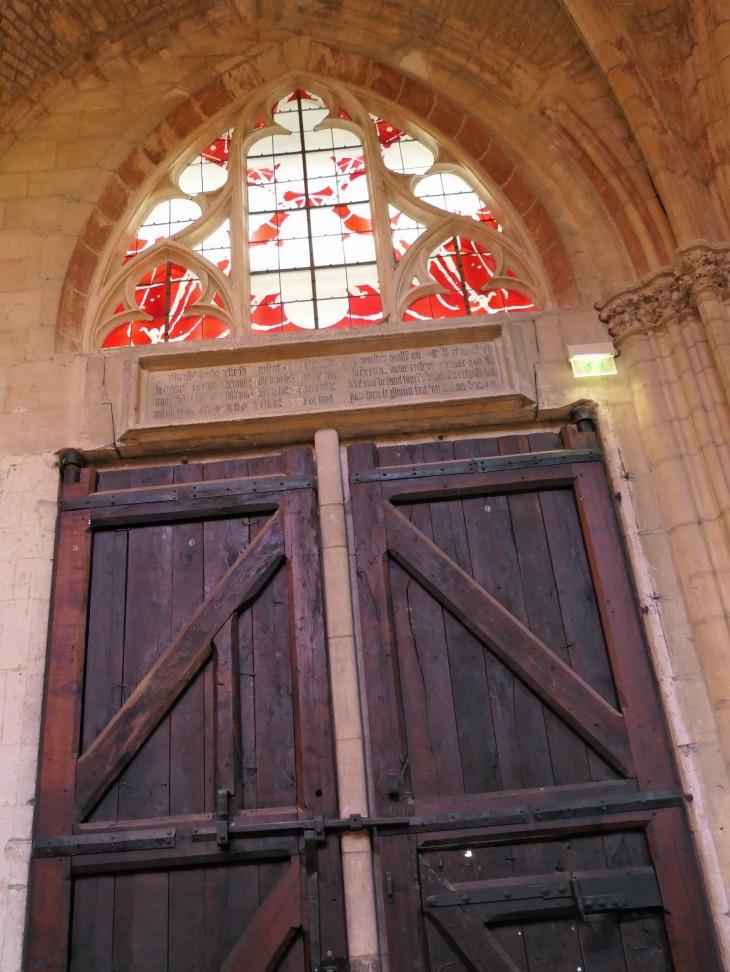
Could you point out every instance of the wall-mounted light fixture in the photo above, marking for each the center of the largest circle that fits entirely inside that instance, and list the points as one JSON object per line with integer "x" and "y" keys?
{"x": 592, "y": 360}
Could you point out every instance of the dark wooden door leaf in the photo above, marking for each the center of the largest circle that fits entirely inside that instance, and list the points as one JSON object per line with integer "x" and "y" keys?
{"x": 272, "y": 928}
{"x": 547, "y": 675}
{"x": 123, "y": 736}
{"x": 463, "y": 930}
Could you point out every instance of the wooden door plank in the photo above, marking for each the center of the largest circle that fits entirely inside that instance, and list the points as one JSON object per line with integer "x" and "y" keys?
{"x": 467, "y": 659}
{"x": 465, "y": 933}
{"x": 546, "y": 674}
{"x": 522, "y": 757}
{"x": 401, "y": 903}
{"x": 568, "y": 757}
{"x": 273, "y": 927}
{"x": 152, "y": 698}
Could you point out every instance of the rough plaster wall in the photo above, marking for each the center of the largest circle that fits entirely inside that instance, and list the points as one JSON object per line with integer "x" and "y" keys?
{"x": 28, "y": 505}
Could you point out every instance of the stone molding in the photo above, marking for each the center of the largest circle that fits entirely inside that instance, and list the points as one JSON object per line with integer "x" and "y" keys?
{"x": 666, "y": 293}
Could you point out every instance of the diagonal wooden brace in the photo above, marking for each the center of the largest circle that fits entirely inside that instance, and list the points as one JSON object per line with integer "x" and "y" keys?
{"x": 461, "y": 927}
{"x": 272, "y": 928}
{"x": 123, "y": 736}
{"x": 559, "y": 687}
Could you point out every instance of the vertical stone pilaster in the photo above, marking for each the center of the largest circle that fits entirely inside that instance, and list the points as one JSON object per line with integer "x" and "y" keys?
{"x": 357, "y": 863}
{"x": 673, "y": 330}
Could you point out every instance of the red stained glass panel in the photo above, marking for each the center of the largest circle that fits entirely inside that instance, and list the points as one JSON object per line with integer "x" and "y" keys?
{"x": 465, "y": 268}
{"x": 167, "y": 294}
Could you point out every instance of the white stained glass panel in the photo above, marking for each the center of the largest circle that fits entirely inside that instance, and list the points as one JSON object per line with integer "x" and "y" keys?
{"x": 261, "y": 198}
{"x": 264, "y": 146}
{"x": 294, "y": 254}
{"x": 321, "y": 165}
{"x": 326, "y": 221}
{"x": 321, "y": 140}
{"x": 288, "y": 168}
{"x": 331, "y": 282}
{"x": 363, "y": 278}
{"x": 296, "y": 285}
{"x": 217, "y": 247}
{"x": 294, "y": 225}
{"x": 331, "y": 311}
{"x": 408, "y": 156}
{"x": 448, "y": 191}
{"x": 265, "y": 288}
{"x": 405, "y": 231}
{"x": 209, "y": 171}
{"x": 328, "y": 250}
{"x": 359, "y": 248}
{"x": 264, "y": 256}
{"x": 166, "y": 219}
{"x": 287, "y": 115}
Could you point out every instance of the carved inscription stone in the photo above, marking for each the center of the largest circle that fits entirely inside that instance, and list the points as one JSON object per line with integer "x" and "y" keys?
{"x": 403, "y": 376}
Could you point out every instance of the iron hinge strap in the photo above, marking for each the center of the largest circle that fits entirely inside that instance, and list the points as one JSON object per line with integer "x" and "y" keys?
{"x": 591, "y": 893}
{"x": 460, "y": 467}
{"x": 250, "y": 486}
{"x": 121, "y": 840}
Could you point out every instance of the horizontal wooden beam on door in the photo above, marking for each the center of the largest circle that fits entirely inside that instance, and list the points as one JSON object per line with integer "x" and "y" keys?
{"x": 530, "y": 659}
{"x": 460, "y": 486}
{"x": 122, "y": 737}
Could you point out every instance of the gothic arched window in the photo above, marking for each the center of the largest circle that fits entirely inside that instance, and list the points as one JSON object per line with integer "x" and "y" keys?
{"x": 309, "y": 212}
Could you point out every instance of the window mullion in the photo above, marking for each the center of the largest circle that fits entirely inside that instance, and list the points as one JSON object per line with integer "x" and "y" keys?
{"x": 307, "y": 210}
{"x": 381, "y": 222}
{"x": 240, "y": 275}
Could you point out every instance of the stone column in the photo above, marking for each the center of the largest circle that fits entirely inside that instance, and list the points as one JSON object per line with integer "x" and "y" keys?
{"x": 362, "y": 931}
{"x": 674, "y": 335}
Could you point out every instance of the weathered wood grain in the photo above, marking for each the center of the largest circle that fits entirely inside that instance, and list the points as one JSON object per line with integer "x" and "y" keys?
{"x": 549, "y": 677}
{"x": 131, "y": 726}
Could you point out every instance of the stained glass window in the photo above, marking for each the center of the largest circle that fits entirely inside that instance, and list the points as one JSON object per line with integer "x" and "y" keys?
{"x": 401, "y": 152}
{"x": 217, "y": 247}
{"x": 311, "y": 246}
{"x": 167, "y": 294}
{"x": 464, "y": 269}
{"x": 166, "y": 219}
{"x": 450, "y": 192}
{"x": 311, "y": 253}
{"x": 209, "y": 171}
{"x": 405, "y": 231}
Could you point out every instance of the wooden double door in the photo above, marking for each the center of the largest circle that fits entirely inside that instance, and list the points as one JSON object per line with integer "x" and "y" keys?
{"x": 513, "y": 718}
{"x": 187, "y": 728}
{"x": 526, "y": 812}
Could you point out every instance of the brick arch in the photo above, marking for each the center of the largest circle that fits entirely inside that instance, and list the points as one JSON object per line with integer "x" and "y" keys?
{"x": 365, "y": 73}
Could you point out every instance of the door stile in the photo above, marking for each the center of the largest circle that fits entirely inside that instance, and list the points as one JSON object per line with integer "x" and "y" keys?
{"x": 688, "y": 929}
{"x": 50, "y": 891}
{"x": 398, "y": 855}
{"x": 316, "y": 785}
{"x": 387, "y": 735}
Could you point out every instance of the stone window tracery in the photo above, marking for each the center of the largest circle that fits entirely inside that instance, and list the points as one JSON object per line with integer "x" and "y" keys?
{"x": 308, "y": 212}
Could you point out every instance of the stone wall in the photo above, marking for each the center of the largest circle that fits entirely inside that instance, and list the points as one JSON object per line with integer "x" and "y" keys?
{"x": 28, "y": 507}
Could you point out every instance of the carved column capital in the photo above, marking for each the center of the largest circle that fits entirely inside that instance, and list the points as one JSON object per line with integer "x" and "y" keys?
{"x": 643, "y": 307}
{"x": 663, "y": 294}
{"x": 700, "y": 267}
